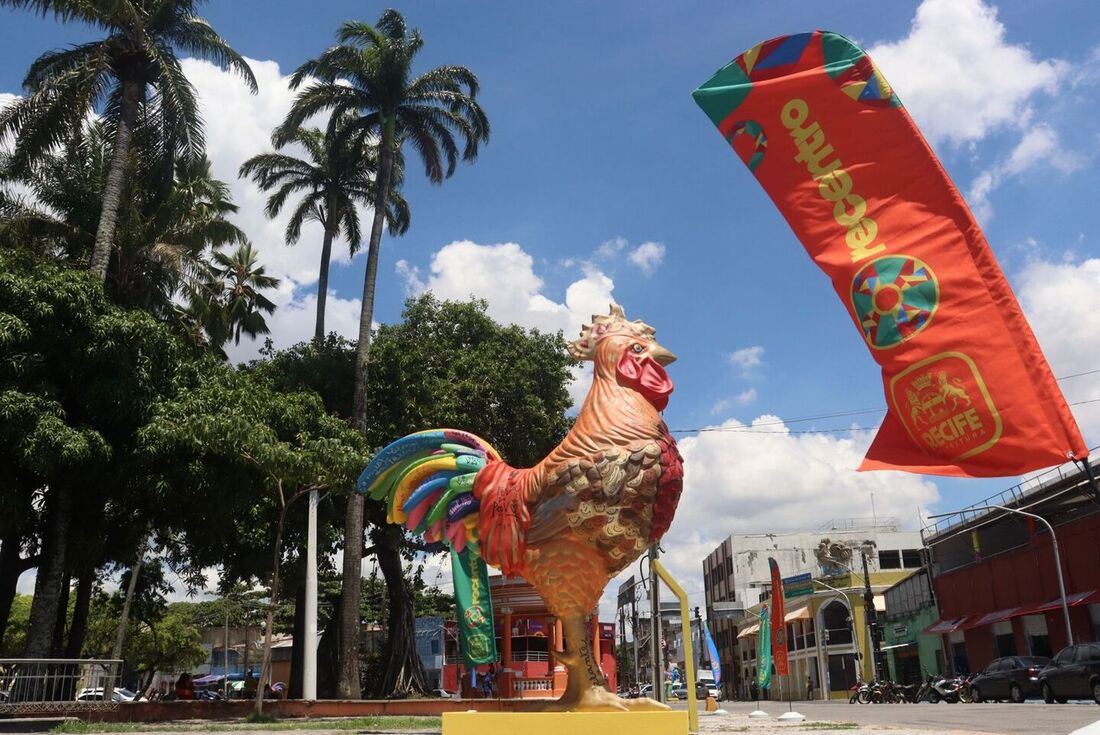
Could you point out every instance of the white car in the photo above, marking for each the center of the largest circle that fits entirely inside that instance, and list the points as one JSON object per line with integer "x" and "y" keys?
{"x": 95, "y": 694}
{"x": 443, "y": 694}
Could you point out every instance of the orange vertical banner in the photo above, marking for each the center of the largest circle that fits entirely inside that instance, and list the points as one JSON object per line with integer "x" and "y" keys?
{"x": 779, "y": 624}
{"x": 969, "y": 393}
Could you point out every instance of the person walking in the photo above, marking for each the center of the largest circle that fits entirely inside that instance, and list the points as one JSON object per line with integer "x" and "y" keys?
{"x": 809, "y": 687}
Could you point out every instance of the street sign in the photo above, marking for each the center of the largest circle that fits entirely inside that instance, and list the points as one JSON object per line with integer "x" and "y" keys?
{"x": 799, "y": 585}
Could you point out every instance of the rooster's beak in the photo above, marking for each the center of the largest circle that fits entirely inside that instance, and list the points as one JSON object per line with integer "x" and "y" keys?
{"x": 661, "y": 355}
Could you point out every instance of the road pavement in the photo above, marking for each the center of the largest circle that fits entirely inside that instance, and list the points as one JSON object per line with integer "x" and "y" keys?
{"x": 1033, "y": 718}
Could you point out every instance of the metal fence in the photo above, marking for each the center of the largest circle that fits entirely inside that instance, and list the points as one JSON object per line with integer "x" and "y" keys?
{"x": 37, "y": 685}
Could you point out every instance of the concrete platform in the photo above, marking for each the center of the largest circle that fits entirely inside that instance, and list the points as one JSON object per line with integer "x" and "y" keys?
{"x": 562, "y": 723}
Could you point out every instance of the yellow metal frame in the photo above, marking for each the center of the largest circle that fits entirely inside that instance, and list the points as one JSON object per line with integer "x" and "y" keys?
{"x": 689, "y": 652}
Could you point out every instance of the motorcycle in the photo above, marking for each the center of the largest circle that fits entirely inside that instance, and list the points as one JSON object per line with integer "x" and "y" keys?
{"x": 860, "y": 692}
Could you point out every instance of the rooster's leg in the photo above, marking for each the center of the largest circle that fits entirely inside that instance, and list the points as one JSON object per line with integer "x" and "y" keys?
{"x": 586, "y": 689}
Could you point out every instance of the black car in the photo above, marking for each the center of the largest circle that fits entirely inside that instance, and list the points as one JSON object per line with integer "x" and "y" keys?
{"x": 1014, "y": 678}
{"x": 1073, "y": 674}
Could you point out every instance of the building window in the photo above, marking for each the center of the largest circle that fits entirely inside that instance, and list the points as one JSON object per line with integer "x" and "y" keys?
{"x": 435, "y": 646}
{"x": 837, "y": 623}
{"x": 889, "y": 559}
{"x": 910, "y": 558}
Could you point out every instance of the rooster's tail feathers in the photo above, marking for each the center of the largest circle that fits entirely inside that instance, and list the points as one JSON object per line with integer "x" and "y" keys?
{"x": 426, "y": 479}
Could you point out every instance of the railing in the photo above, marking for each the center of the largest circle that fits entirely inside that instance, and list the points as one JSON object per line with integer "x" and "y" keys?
{"x": 538, "y": 684}
{"x": 1010, "y": 497}
{"x": 29, "y": 686}
{"x": 852, "y": 524}
{"x": 530, "y": 656}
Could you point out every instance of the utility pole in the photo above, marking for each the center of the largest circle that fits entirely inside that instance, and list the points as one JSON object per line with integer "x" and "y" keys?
{"x": 872, "y": 618}
{"x": 655, "y": 627}
{"x": 225, "y": 652}
{"x": 309, "y": 650}
{"x": 634, "y": 631}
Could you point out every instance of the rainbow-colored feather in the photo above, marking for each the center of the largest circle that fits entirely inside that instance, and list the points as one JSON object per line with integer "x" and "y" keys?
{"x": 426, "y": 480}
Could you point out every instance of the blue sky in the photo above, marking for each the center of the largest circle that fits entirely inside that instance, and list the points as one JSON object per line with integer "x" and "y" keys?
{"x": 598, "y": 153}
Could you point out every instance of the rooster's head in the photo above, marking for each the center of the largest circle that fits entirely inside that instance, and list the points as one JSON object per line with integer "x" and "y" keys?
{"x": 627, "y": 352}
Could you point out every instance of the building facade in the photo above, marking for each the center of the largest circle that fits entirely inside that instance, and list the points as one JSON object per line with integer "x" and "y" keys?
{"x": 995, "y": 578}
{"x": 911, "y": 653}
{"x": 828, "y": 639}
{"x": 736, "y": 577}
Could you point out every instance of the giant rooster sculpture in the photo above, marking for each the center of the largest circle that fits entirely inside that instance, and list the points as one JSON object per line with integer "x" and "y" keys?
{"x": 573, "y": 521}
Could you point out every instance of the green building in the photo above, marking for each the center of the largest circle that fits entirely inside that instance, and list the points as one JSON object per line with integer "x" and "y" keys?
{"x": 910, "y": 609}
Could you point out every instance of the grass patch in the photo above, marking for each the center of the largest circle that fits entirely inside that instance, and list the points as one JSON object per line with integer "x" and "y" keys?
{"x": 830, "y": 726}
{"x": 379, "y": 723}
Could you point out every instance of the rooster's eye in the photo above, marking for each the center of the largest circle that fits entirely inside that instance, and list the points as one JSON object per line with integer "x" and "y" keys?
{"x": 638, "y": 349}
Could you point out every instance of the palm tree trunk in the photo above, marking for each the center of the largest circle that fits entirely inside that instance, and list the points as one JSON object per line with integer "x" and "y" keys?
{"x": 132, "y": 93}
{"x": 58, "y": 641}
{"x": 47, "y": 586}
{"x": 79, "y": 627}
{"x": 322, "y": 283}
{"x": 353, "y": 523}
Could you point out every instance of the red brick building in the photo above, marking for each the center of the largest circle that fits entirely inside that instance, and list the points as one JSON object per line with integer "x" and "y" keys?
{"x": 528, "y": 637}
{"x": 994, "y": 572}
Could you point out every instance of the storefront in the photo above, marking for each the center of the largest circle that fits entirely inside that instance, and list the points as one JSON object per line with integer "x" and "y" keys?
{"x": 995, "y": 578}
{"x": 911, "y": 653}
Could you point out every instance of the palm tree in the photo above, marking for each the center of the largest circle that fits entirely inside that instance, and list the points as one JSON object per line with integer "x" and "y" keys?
{"x": 132, "y": 72}
{"x": 368, "y": 74}
{"x": 227, "y": 298}
{"x": 164, "y": 235}
{"x": 336, "y": 174}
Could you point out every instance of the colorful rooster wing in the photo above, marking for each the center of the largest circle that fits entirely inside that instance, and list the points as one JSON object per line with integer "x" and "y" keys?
{"x": 570, "y": 523}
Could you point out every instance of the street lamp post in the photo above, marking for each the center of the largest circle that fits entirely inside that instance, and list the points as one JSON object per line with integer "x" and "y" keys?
{"x": 1054, "y": 546}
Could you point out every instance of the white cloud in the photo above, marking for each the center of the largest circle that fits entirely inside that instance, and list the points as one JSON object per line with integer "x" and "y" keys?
{"x": 747, "y": 359}
{"x": 504, "y": 275}
{"x": 648, "y": 256}
{"x": 959, "y": 76}
{"x": 743, "y": 398}
{"x": 762, "y": 478}
{"x": 610, "y": 248}
{"x": 1062, "y": 303}
{"x": 1040, "y": 146}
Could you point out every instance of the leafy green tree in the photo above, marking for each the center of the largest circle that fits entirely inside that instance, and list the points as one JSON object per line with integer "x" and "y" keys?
{"x": 159, "y": 639}
{"x": 369, "y": 74}
{"x": 133, "y": 74}
{"x": 336, "y": 176}
{"x": 18, "y": 617}
{"x": 285, "y": 444}
{"x": 78, "y": 377}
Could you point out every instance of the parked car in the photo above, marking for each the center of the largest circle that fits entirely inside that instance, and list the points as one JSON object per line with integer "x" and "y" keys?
{"x": 680, "y": 692}
{"x": 1014, "y": 678}
{"x": 1074, "y": 673}
{"x": 95, "y": 694}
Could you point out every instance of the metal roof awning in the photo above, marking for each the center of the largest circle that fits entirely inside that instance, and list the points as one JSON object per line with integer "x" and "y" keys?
{"x": 802, "y": 613}
{"x": 994, "y": 617}
{"x": 947, "y": 625}
{"x": 749, "y": 630}
{"x": 1072, "y": 600}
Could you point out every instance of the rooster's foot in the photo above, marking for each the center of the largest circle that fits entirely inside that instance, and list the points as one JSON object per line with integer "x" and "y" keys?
{"x": 598, "y": 699}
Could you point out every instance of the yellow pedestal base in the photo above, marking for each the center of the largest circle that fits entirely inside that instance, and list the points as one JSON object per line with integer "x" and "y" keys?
{"x": 565, "y": 723}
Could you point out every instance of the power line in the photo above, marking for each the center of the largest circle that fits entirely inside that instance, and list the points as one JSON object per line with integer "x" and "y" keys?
{"x": 754, "y": 428}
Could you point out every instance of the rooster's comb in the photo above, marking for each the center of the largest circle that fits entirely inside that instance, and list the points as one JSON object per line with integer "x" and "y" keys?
{"x": 614, "y": 322}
